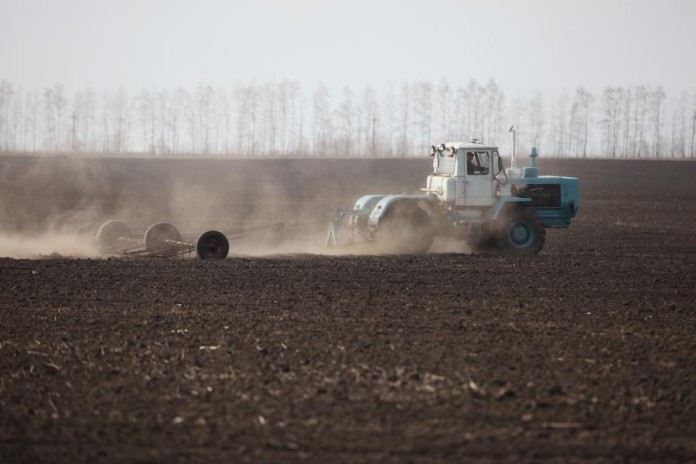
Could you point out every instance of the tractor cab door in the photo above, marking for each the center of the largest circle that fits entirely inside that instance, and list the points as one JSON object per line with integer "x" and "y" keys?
{"x": 475, "y": 176}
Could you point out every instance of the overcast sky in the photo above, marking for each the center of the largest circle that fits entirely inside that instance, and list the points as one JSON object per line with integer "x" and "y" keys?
{"x": 523, "y": 44}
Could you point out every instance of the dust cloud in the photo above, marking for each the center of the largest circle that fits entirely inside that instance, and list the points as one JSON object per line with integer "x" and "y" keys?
{"x": 54, "y": 204}
{"x": 48, "y": 244}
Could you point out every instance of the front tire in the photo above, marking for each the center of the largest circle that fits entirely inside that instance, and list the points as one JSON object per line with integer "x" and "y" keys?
{"x": 521, "y": 233}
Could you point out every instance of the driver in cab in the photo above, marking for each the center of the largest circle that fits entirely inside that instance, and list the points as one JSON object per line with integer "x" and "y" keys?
{"x": 473, "y": 166}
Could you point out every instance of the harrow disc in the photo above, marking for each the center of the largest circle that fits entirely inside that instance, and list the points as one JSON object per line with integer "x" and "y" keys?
{"x": 87, "y": 230}
{"x": 163, "y": 239}
{"x": 111, "y": 233}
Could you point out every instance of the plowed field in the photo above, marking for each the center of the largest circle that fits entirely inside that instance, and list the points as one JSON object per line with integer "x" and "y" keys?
{"x": 283, "y": 354}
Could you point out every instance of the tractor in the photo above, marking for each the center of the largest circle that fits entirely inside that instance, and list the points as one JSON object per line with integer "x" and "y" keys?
{"x": 468, "y": 196}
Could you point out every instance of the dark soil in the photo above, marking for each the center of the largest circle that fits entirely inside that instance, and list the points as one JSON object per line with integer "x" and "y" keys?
{"x": 583, "y": 353}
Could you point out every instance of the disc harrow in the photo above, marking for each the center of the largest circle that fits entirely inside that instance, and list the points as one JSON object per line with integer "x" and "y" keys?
{"x": 160, "y": 240}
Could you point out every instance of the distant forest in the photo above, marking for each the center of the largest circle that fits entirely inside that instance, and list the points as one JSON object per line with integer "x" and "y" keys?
{"x": 282, "y": 119}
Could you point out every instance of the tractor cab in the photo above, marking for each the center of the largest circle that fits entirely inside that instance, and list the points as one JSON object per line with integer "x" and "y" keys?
{"x": 466, "y": 174}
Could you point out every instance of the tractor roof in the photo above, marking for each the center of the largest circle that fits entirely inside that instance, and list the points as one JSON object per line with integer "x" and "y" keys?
{"x": 469, "y": 146}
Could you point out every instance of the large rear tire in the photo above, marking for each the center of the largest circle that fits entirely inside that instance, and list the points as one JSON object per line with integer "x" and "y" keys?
{"x": 162, "y": 239}
{"x": 406, "y": 229}
{"x": 521, "y": 232}
{"x": 212, "y": 245}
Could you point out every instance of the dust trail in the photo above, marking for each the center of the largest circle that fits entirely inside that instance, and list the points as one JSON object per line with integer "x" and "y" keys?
{"x": 45, "y": 201}
{"x": 47, "y": 244}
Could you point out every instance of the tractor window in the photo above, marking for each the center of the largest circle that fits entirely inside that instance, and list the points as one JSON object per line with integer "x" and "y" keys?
{"x": 477, "y": 162}
{"x": 497, "y": 163}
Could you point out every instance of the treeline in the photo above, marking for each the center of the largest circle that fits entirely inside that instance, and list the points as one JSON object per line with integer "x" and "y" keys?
{"x": 281, "y": 119}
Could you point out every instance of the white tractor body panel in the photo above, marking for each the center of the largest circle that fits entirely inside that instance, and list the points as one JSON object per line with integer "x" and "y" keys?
{"x": 477, "y": 191}
{"x": 444, "y": 187}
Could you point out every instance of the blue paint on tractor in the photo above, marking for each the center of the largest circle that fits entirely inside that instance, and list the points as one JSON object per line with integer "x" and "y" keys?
{"x": 555, "y": 200}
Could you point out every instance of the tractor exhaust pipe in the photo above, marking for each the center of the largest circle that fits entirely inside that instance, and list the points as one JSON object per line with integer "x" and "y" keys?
{"x": 513, "y": 136}
{"x": 513, "y": 170}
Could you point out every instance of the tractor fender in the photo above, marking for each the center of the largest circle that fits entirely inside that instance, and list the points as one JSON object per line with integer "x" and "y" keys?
{"x": 499, "y": 205}
{"x": 366, "y": 203}
{"x": 383, "y": 206}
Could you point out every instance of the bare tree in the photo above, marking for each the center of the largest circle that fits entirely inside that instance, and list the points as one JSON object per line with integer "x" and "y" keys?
{"x": 693, "y": 127}
{"x": 536, "y": 118}
{"x": 610, "y": 123}
{"x": 286, "y": 102}
{"x": 54, "y": 106}
{"x": 370, "y": 121}
{"x": 443, "y": 109}
{"x": 178, "y": 102}
{"x": 678, "y": 142}
{"x": 559, "y": 130}
{"x": 18, "y": 128}
{"x": 322, "y": 121}
{"x": 345, "y": 115}
{"x": 117, "y": 121}
{"x": 423, "y": 114}
{"x": 494, "y": 106}
{"x": 657, "y": 108}
{"x": 223, "y": 111}
{"x": 146, "y": 110}
{"x": 204, "y": 120}
{"x": 461, "y": 116}
{"x": 580, "y": 120}
{"x": 6, "y": 96}
{"x": 470, "y": 100}
{"x": 639, "y": 111}
{"x": 626, "y": 108}
{"x": 390, "y": 122}
{"x": 33, "y": 102}
{"x": 404, "y": 121}
{"x": 77, "y": 143}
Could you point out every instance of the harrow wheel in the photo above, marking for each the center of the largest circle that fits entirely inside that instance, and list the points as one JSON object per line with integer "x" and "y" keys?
{"x": 111, "y": 233}
{"x": 163, "y": 239}
{"x": 212, "y": 245}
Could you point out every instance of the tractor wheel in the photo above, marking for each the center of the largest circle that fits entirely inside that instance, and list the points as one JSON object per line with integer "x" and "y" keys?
{"x": 162, "y": 239}
{"x": 111, "y": 233}
{"x": 212, "y": 245}
{"x": 521, "y": 233}
{"x": 406, "y": 229}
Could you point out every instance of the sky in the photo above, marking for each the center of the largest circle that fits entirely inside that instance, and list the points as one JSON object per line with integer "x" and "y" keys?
{"x": 525, "y": 45}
